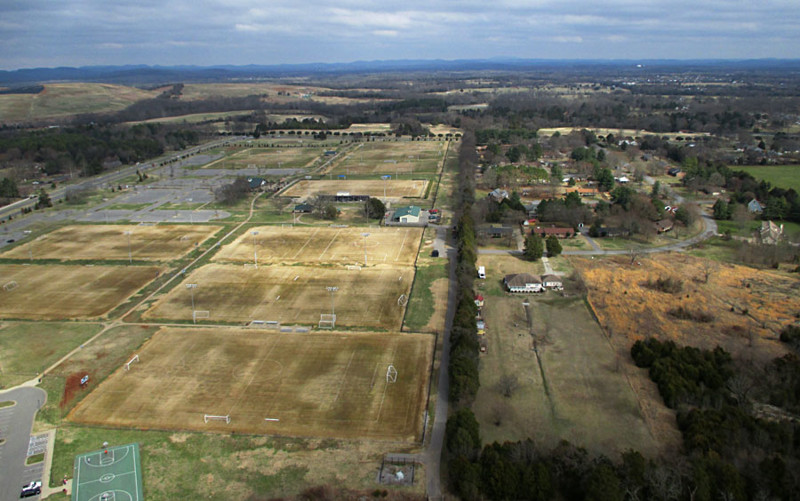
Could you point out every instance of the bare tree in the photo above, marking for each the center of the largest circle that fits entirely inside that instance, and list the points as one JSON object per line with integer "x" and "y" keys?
{"x": 708, "y": 268}
{"x": 507, "y": 385}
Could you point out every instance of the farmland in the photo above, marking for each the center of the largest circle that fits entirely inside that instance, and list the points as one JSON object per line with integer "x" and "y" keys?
{"x": 50, "y": 292}
{"x": 782, "y": 176}
{"x": 324, "y": 245}
{"x": 291, "y": 295}
{"x": 394, "y": 189}
{"x": 110, "y": 242}
{"x": 322, "y": 384}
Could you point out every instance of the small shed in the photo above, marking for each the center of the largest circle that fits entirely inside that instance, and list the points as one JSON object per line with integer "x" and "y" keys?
{"x": 408, "y": 214}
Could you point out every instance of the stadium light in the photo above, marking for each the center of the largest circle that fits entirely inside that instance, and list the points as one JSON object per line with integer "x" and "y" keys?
{"x": 130, "y": 255}
{"x": 191, "y": 288}
{"x": 255, "y": 249}
{"x": 365, "y": 235}
{"x": 30, "y": 246}
{"x": 332, "y": 290}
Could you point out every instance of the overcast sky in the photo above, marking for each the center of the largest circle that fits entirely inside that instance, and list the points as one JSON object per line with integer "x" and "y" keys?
{"x": 47, "y": 33}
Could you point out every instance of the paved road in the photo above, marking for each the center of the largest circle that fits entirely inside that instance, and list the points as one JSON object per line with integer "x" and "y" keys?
{"x": 15, "y": 427}
{"x": 433, "y": 454}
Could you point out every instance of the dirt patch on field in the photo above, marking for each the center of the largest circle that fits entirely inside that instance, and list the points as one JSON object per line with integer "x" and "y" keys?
{"x": 72, "y": 387}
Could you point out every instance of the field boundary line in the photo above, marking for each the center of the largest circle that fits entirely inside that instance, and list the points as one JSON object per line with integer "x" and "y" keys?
{"x": 344, "y": 376}
{"x": 316, "y": 230}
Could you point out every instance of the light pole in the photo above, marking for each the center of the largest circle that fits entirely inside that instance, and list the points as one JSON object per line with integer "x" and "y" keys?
{"x": 385, "y": 178}
{"x": 332, "y": 290}
{"x": 30, "y": 245}
{"x": 191, "y": 288}
{"x": 255, "y": 249}
{"x": 365, "y": 235}
{"x": 130, "y": 255}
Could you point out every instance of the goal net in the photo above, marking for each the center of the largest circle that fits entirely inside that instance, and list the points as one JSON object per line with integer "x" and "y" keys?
{"x": 402, "y": 300}
{"x": 211, "y": 417}
{"x": 391, "y": 374}
{"x": 199, "y": 314}
{"x": 10, "y": 286}
{"x": 327, "y": 321}
{"x": 352, "y": 267}
{"x": 129, "y": 362}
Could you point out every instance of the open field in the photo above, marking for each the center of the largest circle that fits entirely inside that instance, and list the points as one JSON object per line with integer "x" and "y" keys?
{"x": 747, "y": 306}
{"x": 395, "y": 190}
{"x": 314, "y": 384}
{"x": 322, "y": 244}
{"x": 291, "y": 295}
{"x": 273, "y": 158}
{"x": 64, "y": 99}
{"x": 109, "y": 242}
{"x": 782, "y": 176}
{"x": 393, "y": 158}
{"x": 53, "y": 292}
{"x": 572, "y": 390}
{"x": 31, "y": 347}
{"x": 222, "y": 467}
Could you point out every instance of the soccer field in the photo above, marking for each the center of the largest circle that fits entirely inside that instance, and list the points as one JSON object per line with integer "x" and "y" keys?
{"x": 395, "y": 189}
{"x": 110, "y": 242}
{"x": 323, "y": 244}
{"x": 270, "y": 158}
{"x": 366, "y": 298}
{"x": 53, "y": 292}
{"x": 327, "y": 384}
{"x": 400, "y": 158}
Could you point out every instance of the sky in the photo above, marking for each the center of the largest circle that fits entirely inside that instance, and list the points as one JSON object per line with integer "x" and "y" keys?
{"x": 47, "y": 33}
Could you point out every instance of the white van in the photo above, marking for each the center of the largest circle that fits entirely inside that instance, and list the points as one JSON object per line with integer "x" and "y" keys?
{"x": 481, "y": 272}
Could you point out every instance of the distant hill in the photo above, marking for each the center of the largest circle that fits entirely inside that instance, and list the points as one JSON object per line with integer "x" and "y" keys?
{"x": 148, "y": 75}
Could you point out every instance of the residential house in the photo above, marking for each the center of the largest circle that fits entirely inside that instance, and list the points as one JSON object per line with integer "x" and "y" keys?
{"x": 306, "y": 208}
{"x": 755, "y": 207}
{"x": 256, "y": 183}
{"x": 498, "y": 195}
{"x": 552, "y": 282}
{"x": 544, "y": 231}
{"x": 664, "y": 225}
{"x": 409, "y": 214}
{"x": 495, "y": 231}
{"x": 584, "y": 192}
{"x": 769, "y": 233}
{"x": 523, "y": 282}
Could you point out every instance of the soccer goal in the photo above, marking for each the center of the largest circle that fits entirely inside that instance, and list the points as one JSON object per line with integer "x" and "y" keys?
{"x": 353, "y": 267}
{"x": 211, "y": 417}
{"x": 199, "y": 314}
{"x": 250, "y": 266}
{"x": 132, "y": 360}
{"x": 327, "y": 321}
{"x": 185, "y": 238}
{"x": 10, "y": 286}
{"x": 402, "y": 300}
{"x": 391, "y": 374}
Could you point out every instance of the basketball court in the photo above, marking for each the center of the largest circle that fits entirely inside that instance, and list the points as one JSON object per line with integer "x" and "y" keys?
{"x": 110, "y": 474}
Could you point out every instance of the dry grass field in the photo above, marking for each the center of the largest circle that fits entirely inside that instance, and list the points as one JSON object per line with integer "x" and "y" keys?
{"x": 619, "y": 133}
{"x": 68, "y": 292}
{"x": 272, "y": 158}
{"x": 366, "y": 298}
{"x": 747, "y": 307}
{"x": 109, "y": 242}
{"x": 314, "y": 384}
{"x": 64, "y": 99}
{"x": 395, "y": 190}
{"x": 572, "y": 391}
{"x": 399, "y": 158}
{"x": 324, "y": 245}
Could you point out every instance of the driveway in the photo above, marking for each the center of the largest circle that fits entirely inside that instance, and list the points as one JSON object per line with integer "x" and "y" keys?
{"x": 15, "y": 427}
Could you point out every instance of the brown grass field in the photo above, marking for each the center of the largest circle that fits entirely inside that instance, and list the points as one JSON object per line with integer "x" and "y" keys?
{"x": 68, "y": 292}
{"x": 316, "y": 384}
{"x": 378, "y": 158}
{"x": 749, "y": 306}
{"x": 289, "y": 158}
{"x": 324, "y": 245}
{"x": 109, "y": 242}
{"x": 291, "y": 295}
{"x": 64, "y": 99}
{"x": 395, "y": 190}
{"x": 573, "y": 391}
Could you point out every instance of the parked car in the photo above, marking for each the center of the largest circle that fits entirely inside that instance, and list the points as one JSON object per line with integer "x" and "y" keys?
{"x": 32, "y": 489}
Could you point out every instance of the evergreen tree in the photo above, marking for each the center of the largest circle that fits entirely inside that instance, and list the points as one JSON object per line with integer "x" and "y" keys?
{"x": 534, "y": 247}
{"x": 553, "y": 246}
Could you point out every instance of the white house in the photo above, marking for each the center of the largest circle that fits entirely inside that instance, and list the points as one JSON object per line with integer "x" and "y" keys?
{"x": 552, "y": 282}
{"x": 523, "y": 282}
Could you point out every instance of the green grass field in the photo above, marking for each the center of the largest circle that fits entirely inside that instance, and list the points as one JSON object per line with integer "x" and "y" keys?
{"x": 421, "y": 303}
{"x": 31, "y": 347}
{"x": 782, "y": 176}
